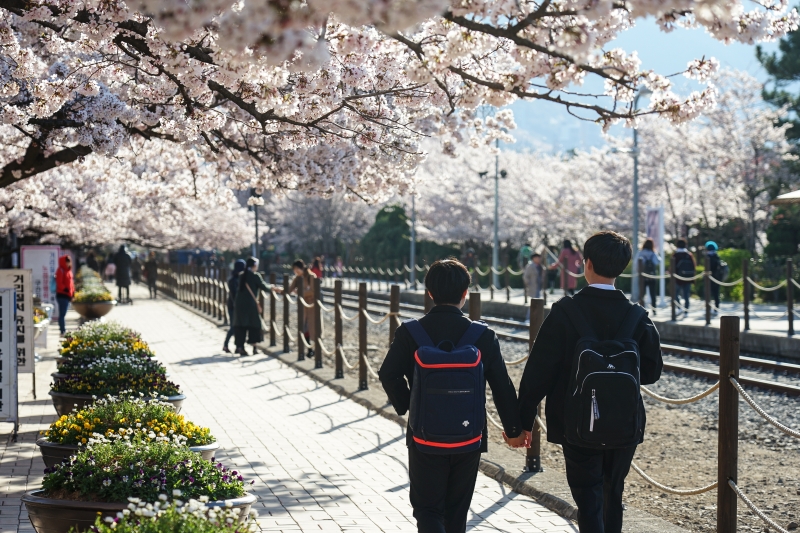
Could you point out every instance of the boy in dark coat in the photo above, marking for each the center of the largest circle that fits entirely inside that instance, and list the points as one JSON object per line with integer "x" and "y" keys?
{"x": 441, "y": 486}
{"x": 596, "y": 476}
{"x": 246, "y": 316}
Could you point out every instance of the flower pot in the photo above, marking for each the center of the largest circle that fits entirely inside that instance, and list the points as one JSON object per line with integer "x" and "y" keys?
{"x": 58, "y": 375}
{"x": 50, "y": 515}
{"x": 93, "y": 310}
{"x": 64, "y": 402}
{"x": 54, "y": 453}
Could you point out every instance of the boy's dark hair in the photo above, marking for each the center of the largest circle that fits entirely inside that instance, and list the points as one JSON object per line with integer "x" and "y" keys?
{"x": 447, "y": 280}
{"x": 251, "y": 262}
{"x": 299, "y": 264}
{"x": 680, "y": 243}
{"x": 609, "y": 252}
{"x": 536, "y": 255}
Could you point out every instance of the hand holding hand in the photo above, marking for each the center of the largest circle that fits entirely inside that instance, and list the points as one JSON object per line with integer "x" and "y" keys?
{"x": 523, "y": 440}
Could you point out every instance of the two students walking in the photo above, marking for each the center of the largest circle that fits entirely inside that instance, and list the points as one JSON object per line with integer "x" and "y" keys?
{"x": 592, "y": 353}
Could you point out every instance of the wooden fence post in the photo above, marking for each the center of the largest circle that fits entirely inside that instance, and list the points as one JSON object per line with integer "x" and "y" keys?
{"x": 728, "y": 447}
{"x": 337, "y": 326}
{"x": 673, "y": 291}
{"x": 474, "y": 306}
{"x": 273, "y": 302}
{"x": 746, "y": 292}
{"x": 533, "y": 455}
{"x": 301, "y": 347}
{"x": 790, "y": 295}
{"x": 394, "y": 307}
{"x": 317, "y": 323}
{"x": 707, "y": 288}
{"x": 285, "y": 314}
{"x": 362, "y": 336}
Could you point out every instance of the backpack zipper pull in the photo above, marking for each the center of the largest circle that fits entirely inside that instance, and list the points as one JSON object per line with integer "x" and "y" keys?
{"x": 595, "y": 411}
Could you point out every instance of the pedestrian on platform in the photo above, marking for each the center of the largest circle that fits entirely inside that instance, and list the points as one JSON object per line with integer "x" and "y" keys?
{"x": 110, "y": 270}
{"x": 316, "y": 267}
{"x": 65, "y": 290}
{"x": 136, "y": 269}
{"x": 246, "y": 308}
{"x": 715, "y": 267}
{"x": 572, "y": 260}
{"x": 447, "y": 423}
{"x": 592, "y": 354}
{"x": 685, "y": 267}
{"x": 123, "y": 260}
{"x": 151, "y": 273}
{"x": 233, "y": 289}
{"x": 648, "y": 262}
{"x": 91, "y": 261}
{"x": 338, "y": 267}
{"x": 533, "y": 277}
{"x": 301, "y": 272}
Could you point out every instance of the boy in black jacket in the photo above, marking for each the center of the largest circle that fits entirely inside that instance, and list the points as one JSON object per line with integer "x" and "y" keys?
{"x": 596, "y": 476}
{"x": 441, "y": 486}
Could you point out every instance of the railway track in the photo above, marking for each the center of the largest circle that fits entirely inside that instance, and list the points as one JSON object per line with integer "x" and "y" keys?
{"x": 707, "y": 371}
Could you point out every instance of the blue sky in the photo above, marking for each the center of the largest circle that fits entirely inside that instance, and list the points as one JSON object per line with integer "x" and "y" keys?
{"x": 548, "y": 127}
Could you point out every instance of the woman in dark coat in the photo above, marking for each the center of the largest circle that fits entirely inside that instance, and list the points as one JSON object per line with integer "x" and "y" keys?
{"x": 123, "y": 261}
{"x": 233, "y": 285}
{"x": 151, "y": 273}
{"x": 246, "y": 317}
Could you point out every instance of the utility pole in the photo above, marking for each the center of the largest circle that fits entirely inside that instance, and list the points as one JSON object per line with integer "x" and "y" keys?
{"x": 254, "y": 194}
{"x": 413, "y": 252}
{"x": 496, "y": 240}
{"x": 635, "y": 240}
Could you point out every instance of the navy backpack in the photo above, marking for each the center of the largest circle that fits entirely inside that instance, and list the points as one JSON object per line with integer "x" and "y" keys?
{"x": 448, "y": 395}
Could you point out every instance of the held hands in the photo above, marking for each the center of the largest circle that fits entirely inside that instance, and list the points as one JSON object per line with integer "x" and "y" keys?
{"x": 521, "y": 441}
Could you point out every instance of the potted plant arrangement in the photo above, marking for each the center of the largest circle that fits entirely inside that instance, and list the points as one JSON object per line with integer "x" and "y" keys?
{"x": 101, "y": 479}
{"x": 92, "y": 300}
{"x": 125, "y": 417}
{"x": 194, "y": 516}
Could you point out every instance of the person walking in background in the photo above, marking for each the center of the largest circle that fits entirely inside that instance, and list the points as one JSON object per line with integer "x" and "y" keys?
{"x": 714, "y": 264}
{"x": 246, "y": 308}
{"x": 136, "y": 269}
{"x": 316, "y": 267}
{"x": 123, "y": 261}
{"x": 572, "y": 259}
{"x": 233, "y": 289}
{"x": 91, "y": 261}
{"x": 151, "y": 273}
{"x": 648, "y": 262}
{"x": 339, "y": 267}
{"x": 304, "y": 274}
{"x": 685, "y": 267}
{"x": 533, "y": 277}
{"x": 65, "y": 290}
{"x": 110, "y": 270}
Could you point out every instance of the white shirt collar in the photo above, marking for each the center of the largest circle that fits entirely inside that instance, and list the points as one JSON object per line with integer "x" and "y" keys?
{"x": 603, "y": 286}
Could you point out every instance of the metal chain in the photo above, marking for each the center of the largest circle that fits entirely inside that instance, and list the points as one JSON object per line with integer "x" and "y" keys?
{"x": 757, "y": 408}
{"x": 767, "y": 520}
{"x": 680, "y": 401}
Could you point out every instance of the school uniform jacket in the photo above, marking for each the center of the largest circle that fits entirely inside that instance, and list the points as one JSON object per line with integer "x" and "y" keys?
{"x": 548, "y": 369}
{"x": 447, "y": 322}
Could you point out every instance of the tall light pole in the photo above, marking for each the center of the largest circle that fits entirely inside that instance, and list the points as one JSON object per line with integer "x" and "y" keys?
{"x": 254, "y": 194}
{"x": 635, "y": 240}
{"x": 413, "y": 252}
{"x": 496, "y": 241}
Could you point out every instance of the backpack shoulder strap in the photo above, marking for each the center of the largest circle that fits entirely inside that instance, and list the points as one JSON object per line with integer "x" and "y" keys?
{"x": 418, "y": 333}
{"x": 473, "y": 333}
{"x": 576, "y": 317}
{"x": 629, "y": 323}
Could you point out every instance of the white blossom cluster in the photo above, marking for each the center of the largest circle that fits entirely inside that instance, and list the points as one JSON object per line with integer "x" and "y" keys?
{"x": 708, "y": 171}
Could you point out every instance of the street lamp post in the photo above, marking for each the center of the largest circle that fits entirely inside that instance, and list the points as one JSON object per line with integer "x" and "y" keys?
{"x": 254, "y": 194}
{"x": 413, "y": 252}
{"x": 496, "y": 241}
{"x": 635, "y": 240}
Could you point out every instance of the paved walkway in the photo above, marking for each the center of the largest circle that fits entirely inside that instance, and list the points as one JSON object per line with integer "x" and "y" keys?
{"x": 320, "y": 462}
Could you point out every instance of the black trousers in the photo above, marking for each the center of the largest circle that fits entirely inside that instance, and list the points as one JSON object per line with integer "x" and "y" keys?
{"x": 441, "y": 489}
{"x": 596, "y": 479}
{"x": 650, "y": 285}
{"x": 251, "y": 335}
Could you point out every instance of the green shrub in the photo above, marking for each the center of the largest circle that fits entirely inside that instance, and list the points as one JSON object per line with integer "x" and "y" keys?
{"x": 161, "y": 517}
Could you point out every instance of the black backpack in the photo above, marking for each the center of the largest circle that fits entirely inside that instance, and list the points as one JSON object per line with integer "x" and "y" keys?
{"x": 603, "y": 397}
{"x": 649, "y": 265}
{"x": 684, "y": 266}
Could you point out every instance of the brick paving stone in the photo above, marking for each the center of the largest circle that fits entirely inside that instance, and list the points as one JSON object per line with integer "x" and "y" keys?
{"x": 320, "y": 462}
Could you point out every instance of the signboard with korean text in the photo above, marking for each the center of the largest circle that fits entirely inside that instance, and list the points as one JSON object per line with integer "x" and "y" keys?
{"x": 20, "y": 281}
{"x": 43, "y": 262}
{"x": 8, "y": 356}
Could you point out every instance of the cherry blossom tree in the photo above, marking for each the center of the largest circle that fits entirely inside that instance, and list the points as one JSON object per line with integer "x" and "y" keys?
{"x": 326, "y": 97}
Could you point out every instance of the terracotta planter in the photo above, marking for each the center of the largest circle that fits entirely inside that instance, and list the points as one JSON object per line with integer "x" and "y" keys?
{"x": 93, "y": 310}
{"x": 64, "y": 402}
{"x": 53, "y": 453}
{"x": 49, "y": 515}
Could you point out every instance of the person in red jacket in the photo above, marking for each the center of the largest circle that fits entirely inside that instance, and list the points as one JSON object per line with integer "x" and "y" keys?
{"x": 65, "y": 289}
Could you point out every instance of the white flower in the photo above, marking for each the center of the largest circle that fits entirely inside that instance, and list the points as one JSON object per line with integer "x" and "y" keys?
{"x": 176, "y": 493}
